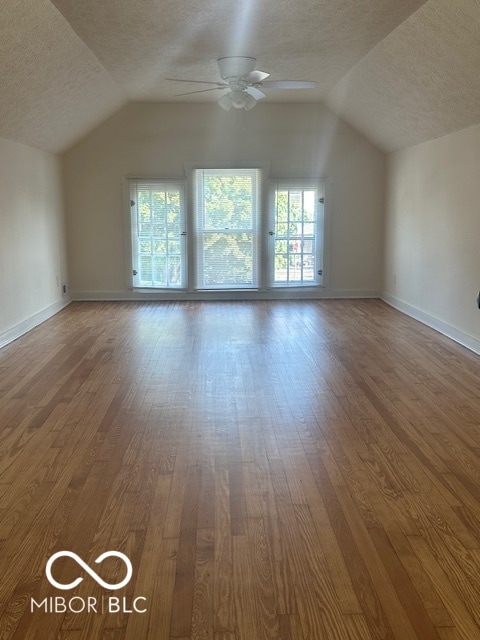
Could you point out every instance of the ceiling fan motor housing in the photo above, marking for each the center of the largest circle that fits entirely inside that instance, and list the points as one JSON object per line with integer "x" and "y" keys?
{"x": 235, "y": 67}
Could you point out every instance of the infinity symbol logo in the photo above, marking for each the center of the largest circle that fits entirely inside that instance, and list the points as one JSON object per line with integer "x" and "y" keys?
{"x": 95, "y": 576}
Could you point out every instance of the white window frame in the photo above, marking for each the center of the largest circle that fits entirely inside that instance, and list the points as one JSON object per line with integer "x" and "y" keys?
{"x": 130, "y": 188}
{"x": 319, "y": 185}
{"x": 265, "y": 256}
{"x": 201, "y": 232}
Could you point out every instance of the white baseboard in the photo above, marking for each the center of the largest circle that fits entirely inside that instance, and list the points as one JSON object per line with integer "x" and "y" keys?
{"x": 272, "y": 294}
{"x": 445, "y": 329}
{"x": 33, "y": 321}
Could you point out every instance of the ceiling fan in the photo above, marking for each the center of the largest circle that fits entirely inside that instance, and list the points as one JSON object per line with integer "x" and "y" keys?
{"x": 243, "y": 82}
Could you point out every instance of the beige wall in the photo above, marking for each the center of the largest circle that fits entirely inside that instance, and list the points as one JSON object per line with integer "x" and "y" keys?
{"x": 432, "y": 257}
{"x": 147, "y": 139}
{"x": 32, "y": 236}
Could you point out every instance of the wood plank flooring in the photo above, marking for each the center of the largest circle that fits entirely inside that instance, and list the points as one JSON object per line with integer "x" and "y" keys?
{"x": 273, "y": 471}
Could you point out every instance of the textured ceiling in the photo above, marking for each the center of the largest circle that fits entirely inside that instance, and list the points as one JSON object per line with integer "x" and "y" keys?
{"x": 401, "y": 71}
{"x": 421, "y": 82}
{"x": 141, "y": 43}
{"x": 52, "y": 87}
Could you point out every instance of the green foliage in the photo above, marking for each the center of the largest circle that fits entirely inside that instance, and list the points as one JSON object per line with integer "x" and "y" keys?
{"x": 228, "y": 259}
{"x": 227, "y": 243}
{"x": 228, "y": 202}
{"x": 294, "y": 233}
{"x": 158, "y": 228}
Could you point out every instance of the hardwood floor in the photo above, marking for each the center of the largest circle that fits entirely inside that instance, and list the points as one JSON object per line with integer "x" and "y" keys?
{"x": 284, "y": 470}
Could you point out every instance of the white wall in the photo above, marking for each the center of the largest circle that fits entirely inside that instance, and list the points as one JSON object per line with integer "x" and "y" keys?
{"x": 432, "y": 233}
{"x": 32, "y": 237}
{"x": 148, "y": 139}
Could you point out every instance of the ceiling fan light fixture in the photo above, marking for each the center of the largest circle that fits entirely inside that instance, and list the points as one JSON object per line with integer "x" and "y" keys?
{"x": 250, "y": 102}
{"x": 225, "y": 102}
{"x": 238, "y": 99}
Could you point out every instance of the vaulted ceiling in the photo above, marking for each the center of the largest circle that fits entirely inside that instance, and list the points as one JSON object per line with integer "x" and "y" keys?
{"x": 400, "y": 71}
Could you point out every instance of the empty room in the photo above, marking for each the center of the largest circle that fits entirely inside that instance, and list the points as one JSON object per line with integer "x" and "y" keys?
{"x": 240, "y": 320}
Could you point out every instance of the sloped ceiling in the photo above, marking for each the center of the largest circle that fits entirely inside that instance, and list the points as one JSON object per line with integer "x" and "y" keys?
{"x": 400, "y": 71}
{"x": 420, "y": 82}
{"x": 52, "y": 87}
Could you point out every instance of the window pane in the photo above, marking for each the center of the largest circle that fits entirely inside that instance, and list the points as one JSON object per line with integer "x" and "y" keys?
{"x": 309, "y": 205}
{"x": 281, "y": 272}
{"x": 160, "y": 271}
{"x": 227, "y": 202}
{"x": 145, "y": 246}
{"x": 308, "y": 267}
{"x": 295, "y": 206}
{"x": 226, "y": 215}
{"x": 294, "y": 268}
{"x": 174, "y": 247}
{"x": 228, "y": 259}
{"x": 160, "y": 247}
{"x": 157, "y": 224}
{"x": 296, "y": 243}
{"x": 174, "y": 270}
{"x": 308, "y": 246}
{"x": 145, "y": 271}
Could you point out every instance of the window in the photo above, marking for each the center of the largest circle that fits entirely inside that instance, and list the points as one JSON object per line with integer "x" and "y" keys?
{"x": 226, "y": 215}
{"x": 297, "y": 233}
{"x": 158, "y": 233}
{"x": 221, "y": 238}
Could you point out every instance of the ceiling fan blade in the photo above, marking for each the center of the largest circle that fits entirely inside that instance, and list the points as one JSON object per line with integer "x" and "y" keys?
{"x": 218, "y": 84}
{"x": 288, "y": 84}
{"x": 255, "y": 76}
{"x": 187, "y": 93}
{"x": 256, "y": 93}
